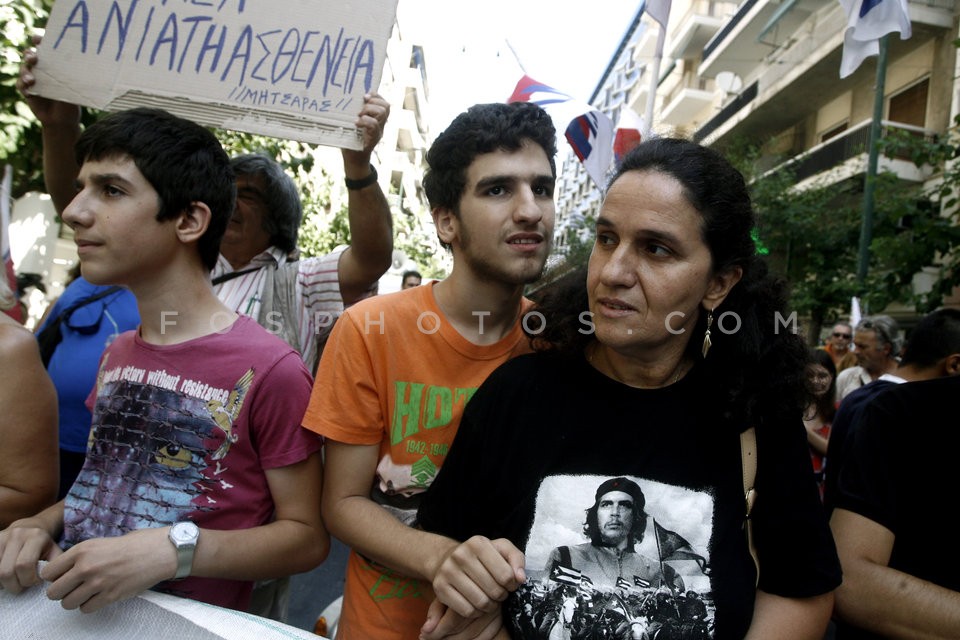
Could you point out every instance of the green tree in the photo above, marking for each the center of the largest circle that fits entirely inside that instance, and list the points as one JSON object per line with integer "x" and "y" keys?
{"x": 810, "y": 236}
{"x": 813, "y": 233}
{"x": 20, "y": 141}
{"x": 918, "y": 229}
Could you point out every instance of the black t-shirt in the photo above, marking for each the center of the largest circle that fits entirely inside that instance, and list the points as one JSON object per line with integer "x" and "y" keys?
{"x": 542, "y": 435}
{"x": 899, "y": 471}
{"x": 844, "y": 424}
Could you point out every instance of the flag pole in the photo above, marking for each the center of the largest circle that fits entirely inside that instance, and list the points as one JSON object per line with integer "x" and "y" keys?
{"x": 652, "y": 91}
{"x": 869, "y": 184}
{"x": 515, "y": 56}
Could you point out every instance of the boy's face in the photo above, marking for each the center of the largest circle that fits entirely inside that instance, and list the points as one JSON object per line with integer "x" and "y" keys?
{"x": 505, "y": 227}
{"x": 114, "y": 220}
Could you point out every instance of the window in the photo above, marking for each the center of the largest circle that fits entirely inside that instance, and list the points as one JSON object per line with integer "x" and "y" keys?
{"x": 910, "y": 105}
{"x": 833, "y": 132}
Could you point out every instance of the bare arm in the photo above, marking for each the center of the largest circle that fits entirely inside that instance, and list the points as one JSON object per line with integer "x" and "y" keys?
{"x": 884, "y": 600}
{"x": 29, "y": 469}
{"x": 789, "y": 618}
{"x": 470, "y": 577}
{"x": 815, "y": 440}
{"x": 371, "y": 225}
{"x": 60, "y": 122}
{"x": 99, "y": 571}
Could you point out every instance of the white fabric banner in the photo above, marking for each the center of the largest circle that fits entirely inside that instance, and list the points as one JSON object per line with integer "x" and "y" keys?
{"x": 150, "y": 616}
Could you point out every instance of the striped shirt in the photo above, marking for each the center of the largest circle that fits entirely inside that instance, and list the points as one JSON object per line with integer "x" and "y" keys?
{"x": 317, "y": 291}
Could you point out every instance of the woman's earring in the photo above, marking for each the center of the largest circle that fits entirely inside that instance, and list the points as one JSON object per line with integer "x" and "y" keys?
{"x": 706, "y": 336}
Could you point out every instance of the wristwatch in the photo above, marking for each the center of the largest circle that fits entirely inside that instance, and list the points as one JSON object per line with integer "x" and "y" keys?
{"x": 184, "y": 536}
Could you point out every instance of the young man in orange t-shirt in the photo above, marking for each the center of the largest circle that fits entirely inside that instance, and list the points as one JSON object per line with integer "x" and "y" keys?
{"x": 398, "y": 370}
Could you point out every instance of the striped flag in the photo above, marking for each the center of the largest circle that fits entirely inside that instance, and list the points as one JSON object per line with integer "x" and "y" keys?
{"x": 588, "y": 131}
{"x": 565, "y": 575}
{"x": 627, "y": 134}
{"x": 867, "y": 22}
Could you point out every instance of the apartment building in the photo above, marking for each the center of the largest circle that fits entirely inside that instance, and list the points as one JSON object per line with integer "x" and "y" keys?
{"x": 768, "y": 71}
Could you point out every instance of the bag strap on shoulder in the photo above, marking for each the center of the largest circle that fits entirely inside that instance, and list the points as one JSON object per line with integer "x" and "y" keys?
{"x": 748, "y": 461}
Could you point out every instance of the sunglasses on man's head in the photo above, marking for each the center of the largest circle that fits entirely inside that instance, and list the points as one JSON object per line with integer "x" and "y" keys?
{"x": 837, "y": 334}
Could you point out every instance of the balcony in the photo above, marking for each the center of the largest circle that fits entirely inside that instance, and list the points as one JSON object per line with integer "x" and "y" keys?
{"x": 694, "y": 29}
{"x": 845, "y": 156}
{"x": 685, "y": 106}
{"x": 760, "y": 28}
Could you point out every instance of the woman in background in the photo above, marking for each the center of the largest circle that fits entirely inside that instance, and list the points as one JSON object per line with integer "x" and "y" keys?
{"x": 822, "y": 379}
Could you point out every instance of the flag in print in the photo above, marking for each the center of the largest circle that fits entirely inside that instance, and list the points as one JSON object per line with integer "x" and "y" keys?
{"x": 565, "y": 575}
{"x": 672, "y": 546}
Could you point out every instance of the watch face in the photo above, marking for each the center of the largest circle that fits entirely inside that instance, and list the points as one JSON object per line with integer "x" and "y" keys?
{"x": 184, "y": 532}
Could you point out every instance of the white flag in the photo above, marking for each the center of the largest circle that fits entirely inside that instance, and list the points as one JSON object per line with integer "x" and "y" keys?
{"x": 867, "y": 22}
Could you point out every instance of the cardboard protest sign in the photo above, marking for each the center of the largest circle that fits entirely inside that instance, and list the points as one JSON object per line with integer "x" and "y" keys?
{"x": 285, "y": 68}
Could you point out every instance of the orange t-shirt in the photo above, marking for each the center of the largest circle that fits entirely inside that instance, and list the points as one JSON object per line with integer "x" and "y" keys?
{"x": 396, "y": 373}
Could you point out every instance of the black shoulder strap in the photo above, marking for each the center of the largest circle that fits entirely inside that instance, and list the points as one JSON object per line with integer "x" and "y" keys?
{"x": 223, "y": 277}
{"x": 565, "y": 557}
{"x": 66, "y": 313}
{"x": 52, "y": 335}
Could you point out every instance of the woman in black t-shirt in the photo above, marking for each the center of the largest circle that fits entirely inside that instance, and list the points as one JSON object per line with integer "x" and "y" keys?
{"x": 673, "y": 342}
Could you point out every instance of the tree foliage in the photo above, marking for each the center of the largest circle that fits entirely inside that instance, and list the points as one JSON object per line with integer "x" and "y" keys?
{"x": 813, "y": 234}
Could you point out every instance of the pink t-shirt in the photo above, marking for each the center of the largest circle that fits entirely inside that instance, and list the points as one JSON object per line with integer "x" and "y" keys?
{"x": 186, "y": 432}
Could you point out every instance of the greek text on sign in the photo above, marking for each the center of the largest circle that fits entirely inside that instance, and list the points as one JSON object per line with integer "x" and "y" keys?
{"x": 285, "y": 68}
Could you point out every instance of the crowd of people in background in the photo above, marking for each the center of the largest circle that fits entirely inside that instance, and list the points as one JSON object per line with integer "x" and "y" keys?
{"x": 208, "y": 407}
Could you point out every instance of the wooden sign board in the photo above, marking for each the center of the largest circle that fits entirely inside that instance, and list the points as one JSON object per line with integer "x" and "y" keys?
{"x": 293, "y": 69}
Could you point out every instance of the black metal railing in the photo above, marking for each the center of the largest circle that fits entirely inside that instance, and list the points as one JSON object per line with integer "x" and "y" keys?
{"x": 845, "y": 146}
{"x": 744, "y": 98}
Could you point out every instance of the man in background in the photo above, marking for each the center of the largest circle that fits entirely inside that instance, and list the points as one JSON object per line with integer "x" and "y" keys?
{"x": 838, "y": 346}
{"x": 410, "y": 279}
{"x": 878, "y": 343}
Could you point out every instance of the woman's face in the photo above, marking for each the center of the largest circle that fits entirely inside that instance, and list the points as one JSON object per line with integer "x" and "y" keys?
{"x": 650, "y": 270}
{"x": 819, "y": 379}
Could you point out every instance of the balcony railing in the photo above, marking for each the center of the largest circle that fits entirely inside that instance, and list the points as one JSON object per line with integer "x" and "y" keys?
{"x": 744, "y": 98}
{"x": 848, "y": 145}
{"x": 728, "y": 28}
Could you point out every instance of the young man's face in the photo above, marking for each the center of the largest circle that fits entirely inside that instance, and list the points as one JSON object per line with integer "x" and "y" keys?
{"x": 410, "y": 282}
{"x": 114, "y": 220}
{"x": 505, "y": 227}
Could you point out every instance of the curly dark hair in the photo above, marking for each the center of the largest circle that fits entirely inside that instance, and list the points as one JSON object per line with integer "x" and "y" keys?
{"x": 757, "y": 372}
{"x": 483, "y": 128}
